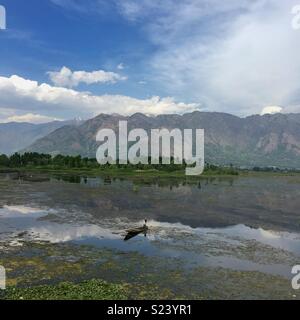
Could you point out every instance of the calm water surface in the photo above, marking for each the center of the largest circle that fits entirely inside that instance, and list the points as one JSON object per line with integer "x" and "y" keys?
{"x": 242, "y": 223}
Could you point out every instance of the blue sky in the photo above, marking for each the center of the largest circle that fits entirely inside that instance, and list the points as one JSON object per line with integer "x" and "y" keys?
{"x": 62, "y": 59}
{"x": 44, "y": 36}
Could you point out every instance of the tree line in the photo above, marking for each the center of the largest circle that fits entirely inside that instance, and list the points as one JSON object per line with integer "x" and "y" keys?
{"x": 34, "y": 159}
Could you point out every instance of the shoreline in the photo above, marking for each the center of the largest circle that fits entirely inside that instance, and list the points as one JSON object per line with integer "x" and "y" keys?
{"x": 148, "y": 173}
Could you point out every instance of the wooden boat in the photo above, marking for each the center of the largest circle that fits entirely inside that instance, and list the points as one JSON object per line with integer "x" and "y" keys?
{"x": 138, "y": 230}
{"x": 135, "y": 231}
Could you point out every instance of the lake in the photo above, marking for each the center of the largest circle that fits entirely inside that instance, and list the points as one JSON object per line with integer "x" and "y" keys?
{"x": 211, "y": 238}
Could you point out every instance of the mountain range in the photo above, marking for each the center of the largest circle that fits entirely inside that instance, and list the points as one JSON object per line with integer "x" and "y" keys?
{"x": 15, "y": 136}
{"x": 268, "y": 140}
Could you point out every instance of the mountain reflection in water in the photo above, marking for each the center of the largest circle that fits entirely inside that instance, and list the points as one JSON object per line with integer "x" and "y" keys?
{"x": 239, "y": 223}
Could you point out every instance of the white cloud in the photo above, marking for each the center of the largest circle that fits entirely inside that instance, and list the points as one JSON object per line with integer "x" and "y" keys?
{"x": 271, "y": 110}
{"x": 20, "y": 94}
{"x": 121, "y": 66}
{"x": 67, "y": 78}
{"x": 31, "y": 117}
{"x": 233, "y": 56}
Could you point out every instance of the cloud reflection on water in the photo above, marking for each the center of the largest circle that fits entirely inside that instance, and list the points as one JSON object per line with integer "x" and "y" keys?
{"x": 33, "y": 223}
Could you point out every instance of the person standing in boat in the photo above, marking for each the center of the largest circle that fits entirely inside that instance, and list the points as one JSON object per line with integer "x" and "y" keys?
{"x": 145, "y": 225}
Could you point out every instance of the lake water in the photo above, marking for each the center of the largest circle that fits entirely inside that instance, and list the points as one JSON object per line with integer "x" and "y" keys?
{"x": 240, "y": 224}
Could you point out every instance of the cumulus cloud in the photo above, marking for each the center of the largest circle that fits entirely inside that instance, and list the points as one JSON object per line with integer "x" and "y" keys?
{"x": 67, "y": 78}
{"x": 271, "y": 110}
{"x": 19, "y": 94}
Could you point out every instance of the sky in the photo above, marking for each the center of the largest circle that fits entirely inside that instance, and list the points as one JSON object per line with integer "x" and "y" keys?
{"x": 65, "y": 59}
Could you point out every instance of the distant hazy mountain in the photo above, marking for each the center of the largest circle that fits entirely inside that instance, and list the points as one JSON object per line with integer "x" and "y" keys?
{"x": 15, "y": 135}
{"x": 269, "y": 140}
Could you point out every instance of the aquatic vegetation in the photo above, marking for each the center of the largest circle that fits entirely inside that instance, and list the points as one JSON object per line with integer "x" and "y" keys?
{"x": 87, "y": 290}
{"x": 41, "y": 270}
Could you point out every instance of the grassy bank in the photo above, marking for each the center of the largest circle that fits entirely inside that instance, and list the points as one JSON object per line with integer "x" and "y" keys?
{"x": 143, "y": 174}
{"x": 134, "y": 174}
{"x": 74, "y": 164}
{"x": 36, "y": 162}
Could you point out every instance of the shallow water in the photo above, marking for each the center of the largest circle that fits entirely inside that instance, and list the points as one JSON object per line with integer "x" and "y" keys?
{"x": 244, "y": 224}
